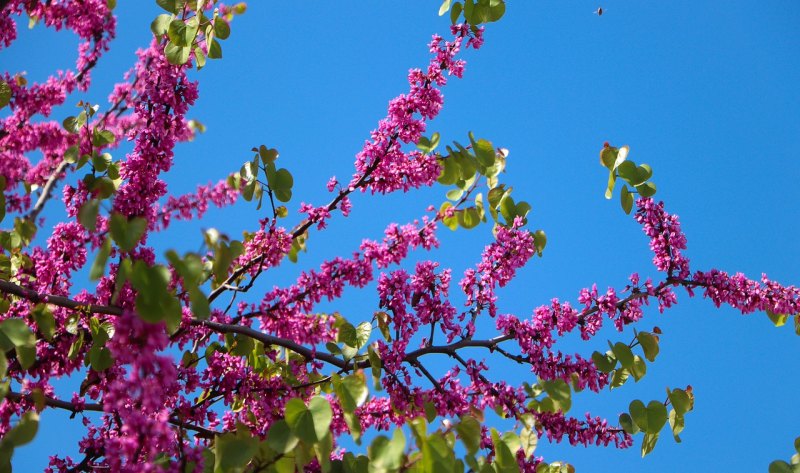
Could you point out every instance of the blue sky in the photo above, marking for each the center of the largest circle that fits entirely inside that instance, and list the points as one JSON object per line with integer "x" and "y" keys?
{"x": 704, "y": 93}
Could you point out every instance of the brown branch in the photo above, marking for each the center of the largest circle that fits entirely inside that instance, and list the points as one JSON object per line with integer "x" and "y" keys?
{"x": 61, "y": 301}
{"x": 59, "y": 404}
{"x": 47, "y": 191}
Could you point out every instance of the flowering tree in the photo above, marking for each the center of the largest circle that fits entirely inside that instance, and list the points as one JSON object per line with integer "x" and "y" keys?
{"x": 187, "y": 363}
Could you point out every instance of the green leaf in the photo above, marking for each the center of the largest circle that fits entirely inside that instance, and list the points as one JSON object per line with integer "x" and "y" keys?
{"x": 539, "y": 241}
{"x": 627, "y": 424}
{"x": 656, "y": 417}
{"x": 321, "y": 414}
{"x": 484, "y": 152}
{"x": 87, "y": 215}
{"x": 310, "y": 423}
{"x": 25, "y": 430}
{"x": 385, "y": 454}
{"x": 469, "y": 431}
{"x": 624, "y": 354}
{"x": 18, "y": 332}
{"x": 154, "y": 303}
{"x": 649, "y": 344}
{"x": 214, "y": 50}
{"x": 620, "y": 377}
{"x": 612, "y": 181}
{"x": 233, "y": 451}
{"x": 280, "y": 181}
{"x": 649, "y": 442}
{"x": 648, "y": 189}
{"x": 454, "y": 194}
{"x": 639, "y": 368}
{"x": 608, "y": 156}
{"x": 160, "y": 24}
{"x": 604, "y": 362}
{"x": 496, "y": 10}
{"x": 126, "y": 233}
{"x": 180, "y": 33}
{"x": 280, "y": 437}
{"x": 469, "y": 218}
{"x": 177, "y": 55}
{"x": 445, "y": 7}
{"x": 45, "y": 321}
{"x": 100, "y": 358}
{"x": 437, "y": 455}
{"x": 780, "y": 466}
{"x": 363, "y": 331}
{"x": 201, "y": 309}
{"x": 172, "y": 6}
{"x": 3, "y": 365}
{"x": 102, "y": 138}
{"x": 680, "y": 400}
{"x": 351, "y": 391}
{"x": 777, "y": 319}
{"x": 626, "y": 199}
{"x": 5, "y": 93}
{"x": 221, "y": 29}
{"x": 638, "y": 413}
{"x": 504, "y": 457}
{"x": 347, "y": 334}
{"x": 99, "y": 264}
{"x": 676, "y": 423}
{"x": 455, "y": 12}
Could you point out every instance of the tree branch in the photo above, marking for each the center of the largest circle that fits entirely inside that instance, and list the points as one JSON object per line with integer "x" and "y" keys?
{"x": 47, "y": 191}
{"x": 59, "y": 404}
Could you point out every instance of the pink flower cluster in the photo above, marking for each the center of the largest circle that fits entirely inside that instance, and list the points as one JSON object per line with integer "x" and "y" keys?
{"x": 500, "y": 260}
{"x": 382, "y": 159}
{"x": 195, "y": 205}
{"x": 666, "y": 238}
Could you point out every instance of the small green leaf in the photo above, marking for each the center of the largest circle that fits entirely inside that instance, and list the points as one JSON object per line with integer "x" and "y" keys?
{"x": 233, "y": 451}
{"x": 100, "y": 358}
{"x": 627, "y": 424}
{"x": 624, "y": 354}
{"x": 649, "y": 344}
{"x": 649, "y": 442}
{"x": 5, "y": 93}
{"x": 680, "y": 400}
{"x": 363, "y": 332}
{"x": 127, "y": 233}
{"x": 221, "y": 29}
{"x": 656, "y": 417}
{"x": 777, "y": 319}
{"x": 385, "y": 454}
{"x": 25, "y": 430}
{"x": 87, "y": 215}
{"x": 99, "y": 264}
{"x": 639, "y": 368}
{"x": 780, "y": 466}
{"x": 648, "y": 189}
{"x": 626, "y": 199}
{"x": 455, "y": 12}
{"x": 469, "y": 431}
{"x": 445, "y": 7}
{"x": 676, "y": 423}
{"x": 214, "y": 50}
{"x": 484, "y": 152}
{"x": 280, "y": 437}
{"x": 604, "y": 362}
{"x": 45, "y": 321}
{"x": 177, "y": 55}
{"x": 160, "y": 24}
{"x": 638, "y": 413}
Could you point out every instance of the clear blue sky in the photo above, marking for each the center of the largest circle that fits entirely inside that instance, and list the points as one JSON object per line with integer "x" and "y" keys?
{"x": 704, "y": 92}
